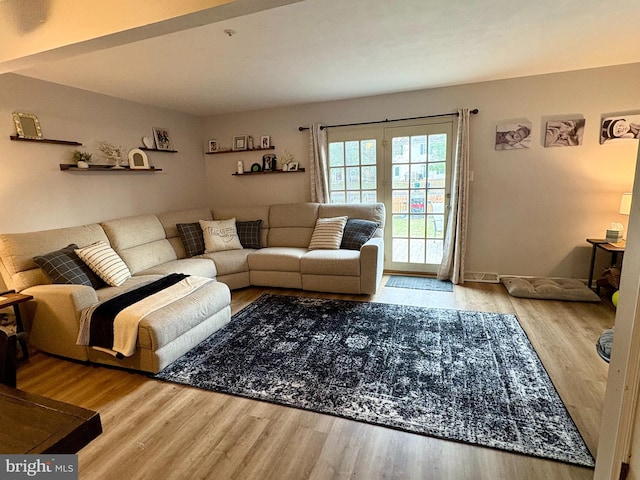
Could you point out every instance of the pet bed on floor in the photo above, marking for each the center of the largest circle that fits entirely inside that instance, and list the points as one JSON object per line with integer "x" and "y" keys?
{"x": 546, "y": 288}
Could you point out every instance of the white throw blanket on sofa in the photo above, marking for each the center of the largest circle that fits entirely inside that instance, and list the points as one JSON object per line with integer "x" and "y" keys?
{"x": 125, "y": 325}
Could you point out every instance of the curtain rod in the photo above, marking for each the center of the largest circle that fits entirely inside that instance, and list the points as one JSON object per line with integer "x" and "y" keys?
{"x": 474, "y": 111}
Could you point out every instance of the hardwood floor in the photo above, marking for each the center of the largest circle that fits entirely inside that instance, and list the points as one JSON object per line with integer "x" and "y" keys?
{"x": 156, "y": 430}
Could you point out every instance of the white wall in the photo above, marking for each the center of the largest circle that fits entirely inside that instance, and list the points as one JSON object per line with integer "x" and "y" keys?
{"x": 36, "y": 195}
{"x": 531, "y": 210}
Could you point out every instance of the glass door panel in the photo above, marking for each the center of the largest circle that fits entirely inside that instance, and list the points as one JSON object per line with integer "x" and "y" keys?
{"x": 418, "y": 192}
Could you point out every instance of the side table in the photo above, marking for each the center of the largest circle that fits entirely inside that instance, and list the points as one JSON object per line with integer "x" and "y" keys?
{"x": 13, "y": 299}
{"x": 611, "y": 248}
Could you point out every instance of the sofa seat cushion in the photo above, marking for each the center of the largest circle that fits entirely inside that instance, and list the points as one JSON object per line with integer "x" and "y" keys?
{"x": 198, "y": 266}
{"x": 176, "y": 319}
{"x": 229, "y": 261}
{"x": 331, "y": 262}
{"x": 281, "y": 259}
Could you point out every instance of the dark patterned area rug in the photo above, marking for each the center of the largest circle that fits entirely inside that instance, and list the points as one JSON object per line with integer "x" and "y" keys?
{"x": 459, "y": 375}
{"x": 419, "y": 283}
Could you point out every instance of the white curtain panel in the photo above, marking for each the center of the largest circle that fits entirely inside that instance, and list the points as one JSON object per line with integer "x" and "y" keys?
{"x": 455, "y": 241}
{"x": 319, "y": 171}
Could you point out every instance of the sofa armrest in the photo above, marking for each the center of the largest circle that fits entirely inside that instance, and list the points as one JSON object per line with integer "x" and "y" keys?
{"x": 371, "y": 265}
{"x": 55, "y": 315}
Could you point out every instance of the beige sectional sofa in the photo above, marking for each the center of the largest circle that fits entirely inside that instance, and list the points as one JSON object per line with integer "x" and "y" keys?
{"x": 151, "y": 247}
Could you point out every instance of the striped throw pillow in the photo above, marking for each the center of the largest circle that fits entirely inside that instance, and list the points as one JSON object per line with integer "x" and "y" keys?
{"x": 328, "y": 233}
{"x": 107, "y": 264}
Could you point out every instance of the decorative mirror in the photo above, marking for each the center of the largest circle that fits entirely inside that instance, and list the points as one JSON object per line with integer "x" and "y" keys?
{"x": 27, "y": 125}
{"x": 138, "y": 159}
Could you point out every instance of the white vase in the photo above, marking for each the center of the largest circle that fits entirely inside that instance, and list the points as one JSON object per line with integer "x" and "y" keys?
{"x": 82, "y": 164}
{"x": 285, "y": 167}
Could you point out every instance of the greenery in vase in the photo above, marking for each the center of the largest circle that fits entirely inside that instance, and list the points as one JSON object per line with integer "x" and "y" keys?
{"x": 79, "y": 156}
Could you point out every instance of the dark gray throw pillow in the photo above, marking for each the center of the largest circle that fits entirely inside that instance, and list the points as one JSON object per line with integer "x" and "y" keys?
{"x": 249, "y": 233}
{"x": 357, "y": 232}
{"x": 65, "y": 267}
{"x": 192, "y": 238}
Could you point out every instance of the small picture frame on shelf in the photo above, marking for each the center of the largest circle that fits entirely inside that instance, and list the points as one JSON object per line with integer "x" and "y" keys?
{"x": 27, "y": 125}
{"x": 138, "y": 159}
{"x": 293, "y": 167}
{"x": 268, "y": 163}
{"x": 213, "y": 146}
{"x": 265, "y": 141}
{"x": 163, "y": 141}
{"x": 239, "y": 143}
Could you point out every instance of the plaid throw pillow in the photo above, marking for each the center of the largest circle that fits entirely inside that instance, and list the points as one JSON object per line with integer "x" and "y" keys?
{"x": 249, "y": 233}
{"x": 192, "y": 238}
{"x": 65, "y": 267}
{"x": 357, "y": 232}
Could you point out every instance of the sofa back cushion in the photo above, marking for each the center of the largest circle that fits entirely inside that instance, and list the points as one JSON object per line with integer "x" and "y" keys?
{"x": 169, "y": 220}
{"x": 17, "y": 251}
{"x": 365, "y": 211}
{"x": 292, "y": 225}
{"x": 140, "y": 241}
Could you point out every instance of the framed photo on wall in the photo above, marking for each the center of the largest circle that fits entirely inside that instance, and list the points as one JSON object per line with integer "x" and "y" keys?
{"x": 615, "y": 129}
{"x": 564, "y": 133}
{"x": 513, "y": 136}
{"x": 265, "y": 141}
{"x": 163, "y": 141}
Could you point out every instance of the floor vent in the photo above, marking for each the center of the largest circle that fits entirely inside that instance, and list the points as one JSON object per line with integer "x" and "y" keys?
{"x": 486, "y": 277}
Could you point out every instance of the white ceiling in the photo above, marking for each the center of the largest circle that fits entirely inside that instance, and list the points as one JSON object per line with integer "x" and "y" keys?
{"x": 318, "y": 50}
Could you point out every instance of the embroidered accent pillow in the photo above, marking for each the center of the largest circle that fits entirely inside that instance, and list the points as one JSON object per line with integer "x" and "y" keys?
{"x": 192, "y": 238}
{"x": 328, "y": 233}
{"x": 220, "y": 235}
{"x": 65, "y": 267}
{"x": 249, "y": 233}
{"x": 357, "y": 232}
{"x": 105, "y": 262}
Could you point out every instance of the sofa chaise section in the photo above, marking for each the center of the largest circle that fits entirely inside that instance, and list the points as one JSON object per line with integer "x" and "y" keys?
{"x": 53, "y": 318}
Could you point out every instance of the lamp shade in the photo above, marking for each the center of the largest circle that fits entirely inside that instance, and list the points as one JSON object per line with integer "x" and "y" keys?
{"x": 625, "y": 204}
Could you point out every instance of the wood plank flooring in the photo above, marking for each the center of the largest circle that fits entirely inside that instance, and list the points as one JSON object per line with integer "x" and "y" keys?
{"x": 156, "y": 430}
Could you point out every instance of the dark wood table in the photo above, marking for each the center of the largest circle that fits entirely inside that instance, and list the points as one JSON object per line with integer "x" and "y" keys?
{"x": 13, "y": 299}
{"x": 31, "y": 424}
{"x": 604, "y": 245}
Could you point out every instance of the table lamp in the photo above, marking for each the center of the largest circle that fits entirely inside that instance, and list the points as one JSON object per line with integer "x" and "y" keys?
{"x": 625, "y": 203}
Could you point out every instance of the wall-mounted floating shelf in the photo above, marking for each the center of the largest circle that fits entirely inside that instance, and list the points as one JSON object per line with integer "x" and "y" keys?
{"x": 239, "y": 151}
{"x": 44, "y": 140}
{"x": 157, "y": 150}
{"x": 106, "y": 168}
{"x": 300, "y": 170}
